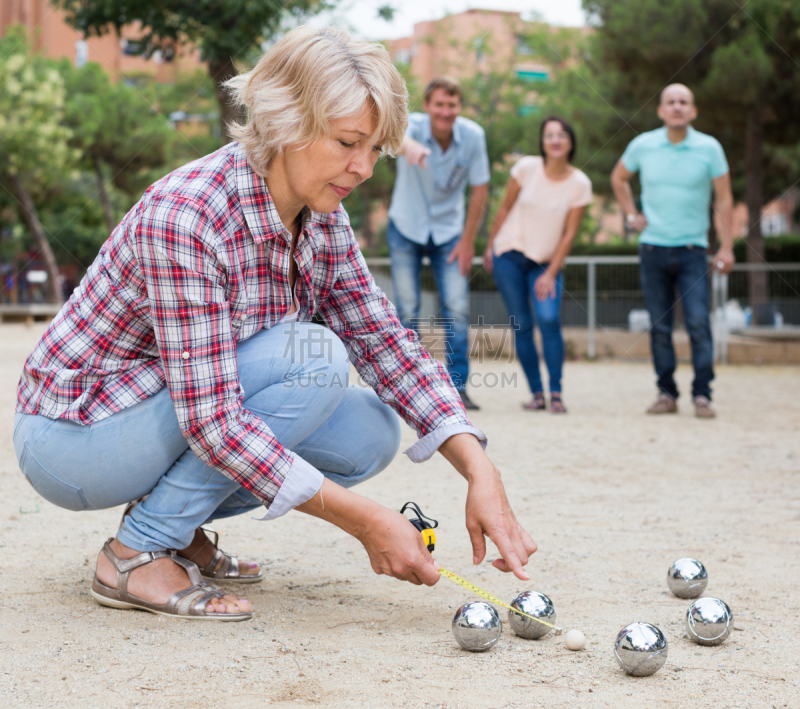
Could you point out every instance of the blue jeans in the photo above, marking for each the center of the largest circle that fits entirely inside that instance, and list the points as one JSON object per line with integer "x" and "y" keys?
{"x": 348, "y": 433}
{"x": 664, "y": 269}
{"x": 453, "y": 322}
{"x": 515, "y": 275}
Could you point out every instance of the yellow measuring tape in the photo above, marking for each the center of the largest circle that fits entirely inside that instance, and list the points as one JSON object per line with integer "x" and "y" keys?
{"x": 489, "y": 597}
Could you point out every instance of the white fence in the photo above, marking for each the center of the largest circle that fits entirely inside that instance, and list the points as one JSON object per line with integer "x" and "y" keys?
{"x": 600, "y": 292}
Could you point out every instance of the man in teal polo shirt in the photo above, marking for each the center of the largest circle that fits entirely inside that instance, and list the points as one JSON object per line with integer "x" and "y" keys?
{"x": 678, "y": 167}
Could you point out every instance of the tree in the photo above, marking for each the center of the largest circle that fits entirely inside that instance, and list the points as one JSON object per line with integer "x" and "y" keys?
{"x": 113, "y": 128}
{"x": 224, "y": 31}
{"x": 740, "y": 60}
{"x": 34, "y": 151}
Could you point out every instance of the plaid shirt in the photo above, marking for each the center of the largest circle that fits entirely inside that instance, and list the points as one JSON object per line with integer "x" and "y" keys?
{"x": 200, "y": 263}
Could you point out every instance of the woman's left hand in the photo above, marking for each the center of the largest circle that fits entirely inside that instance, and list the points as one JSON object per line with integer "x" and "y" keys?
{"x": 489, "y": 514}
{"x": 488, "y": 510}
{"x": 545, "y": 286}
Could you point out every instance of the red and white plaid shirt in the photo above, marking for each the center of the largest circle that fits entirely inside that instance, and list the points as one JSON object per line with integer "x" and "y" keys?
{"x": 200, "y": 263}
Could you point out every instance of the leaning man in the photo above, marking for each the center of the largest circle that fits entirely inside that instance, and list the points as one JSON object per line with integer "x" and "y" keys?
{"x": 441, "y": 153}
{"x": 678, "y": 166}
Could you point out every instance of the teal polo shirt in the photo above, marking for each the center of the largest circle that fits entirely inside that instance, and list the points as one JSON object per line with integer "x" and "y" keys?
{"x": 676, "y": 185}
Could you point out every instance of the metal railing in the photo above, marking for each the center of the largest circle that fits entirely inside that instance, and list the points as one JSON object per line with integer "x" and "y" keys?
{"x": 600, "y": 292}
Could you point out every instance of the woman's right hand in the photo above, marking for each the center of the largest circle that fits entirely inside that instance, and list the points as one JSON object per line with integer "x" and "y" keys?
{"x": 394, "y": 545}
{"x": 488, "y": 259}
{"x": 396, "y": 548}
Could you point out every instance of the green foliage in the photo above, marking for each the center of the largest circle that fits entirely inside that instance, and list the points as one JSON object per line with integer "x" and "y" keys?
{"x": 33, "y": 140}
{"x": 73, "y": 220}
{"x": 222, "y": 30}
{"x": 115, "y": 125}
{"x": 76, "y": 141}
{"x": 736, "y": 58}
{"x": 386, "y": 12}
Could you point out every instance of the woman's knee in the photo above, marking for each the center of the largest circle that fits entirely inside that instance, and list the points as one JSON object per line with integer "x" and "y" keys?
{"x": 351, "y": 462}
{"x": 522, "y": 326}
{"x": 550, "y": 324}
{"x": 321, "y": 361}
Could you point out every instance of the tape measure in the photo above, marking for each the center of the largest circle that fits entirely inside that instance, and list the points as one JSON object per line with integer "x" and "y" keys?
{"x": 426, "y": 525}
{"x": 489, "y": 597}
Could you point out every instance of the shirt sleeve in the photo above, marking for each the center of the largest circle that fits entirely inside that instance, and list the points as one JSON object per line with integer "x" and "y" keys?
{"x": 522, "y": 170}
{"x": 631, "y": 157}
{"x": 479, "y": 166}
{"x": 414, "y": 128}
{"x": 583, "y": 194}
{"x": 391, "y": 360}
{"x": 177, "y": 251}
{"x": 719, "y": 165}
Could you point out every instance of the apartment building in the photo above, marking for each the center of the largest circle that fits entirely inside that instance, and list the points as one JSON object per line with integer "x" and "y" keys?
{"x": 119, "y": 56}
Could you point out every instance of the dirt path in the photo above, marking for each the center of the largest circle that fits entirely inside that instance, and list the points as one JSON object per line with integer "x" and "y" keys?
{"x": 611, "y": 496}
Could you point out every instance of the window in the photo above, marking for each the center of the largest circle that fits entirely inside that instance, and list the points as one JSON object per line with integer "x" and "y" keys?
{"x": 774, "y": 224}
{"x": 522, "y": 46}
{"x": 81, "y": 53}
{"x": 132, "y": 48}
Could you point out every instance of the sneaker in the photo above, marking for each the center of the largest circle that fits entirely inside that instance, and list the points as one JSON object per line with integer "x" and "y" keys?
{"x": 702, "y": 408}
{"x": 469, "y": 404}
{"x": 665, "y": 404}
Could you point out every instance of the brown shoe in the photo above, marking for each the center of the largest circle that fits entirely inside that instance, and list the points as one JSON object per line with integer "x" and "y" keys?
{"x": 702, "y": 408}
{"x": 665, "y": 404}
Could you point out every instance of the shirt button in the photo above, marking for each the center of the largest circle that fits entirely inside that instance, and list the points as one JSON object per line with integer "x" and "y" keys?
{"x": 186, "y": 355}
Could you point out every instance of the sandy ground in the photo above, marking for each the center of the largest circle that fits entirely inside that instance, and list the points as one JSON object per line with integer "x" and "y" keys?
{"x": 611, "y": 496}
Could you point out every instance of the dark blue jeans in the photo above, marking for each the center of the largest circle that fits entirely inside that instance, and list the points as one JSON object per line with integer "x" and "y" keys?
{"x": 515, "y": 275}
{"x": 453, "y": 321}
{"x": 665, "y": 269}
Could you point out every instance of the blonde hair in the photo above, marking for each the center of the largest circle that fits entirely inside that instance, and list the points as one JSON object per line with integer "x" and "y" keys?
{"x": 308, "y": 78}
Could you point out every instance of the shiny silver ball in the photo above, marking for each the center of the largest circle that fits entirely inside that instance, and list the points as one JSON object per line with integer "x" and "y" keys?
{"x": 709, "y": 621}
{"x": 477, "y": 626}
{"x": 539, "y": 606}
{"x": 687, "y": 578}
{"x": 641, "y": 649}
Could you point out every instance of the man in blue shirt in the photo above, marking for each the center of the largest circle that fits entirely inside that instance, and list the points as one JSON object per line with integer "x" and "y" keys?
{"x": 678, "y": 167}
{"x": 442, "y": 151}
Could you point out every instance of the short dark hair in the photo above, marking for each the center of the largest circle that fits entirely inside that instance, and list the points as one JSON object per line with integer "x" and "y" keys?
{"x": 448, "y": 84}
{"x": 567, "y": 129}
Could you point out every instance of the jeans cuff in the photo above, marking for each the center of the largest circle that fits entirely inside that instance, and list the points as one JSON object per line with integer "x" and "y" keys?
{"x": 426, "y": 446}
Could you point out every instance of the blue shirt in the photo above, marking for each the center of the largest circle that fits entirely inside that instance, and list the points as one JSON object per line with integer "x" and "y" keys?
{"x": 430, "y": 202}
{"x": 676, "y": 185}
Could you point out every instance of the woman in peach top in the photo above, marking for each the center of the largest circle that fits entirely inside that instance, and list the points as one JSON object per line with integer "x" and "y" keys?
{"x": 532, "y": 234}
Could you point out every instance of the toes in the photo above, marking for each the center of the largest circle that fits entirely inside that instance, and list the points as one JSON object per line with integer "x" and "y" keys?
{"x": 232, "y": 604}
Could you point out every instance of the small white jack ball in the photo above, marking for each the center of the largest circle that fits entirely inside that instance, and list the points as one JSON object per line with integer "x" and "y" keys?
{"x": 575, "y": 640}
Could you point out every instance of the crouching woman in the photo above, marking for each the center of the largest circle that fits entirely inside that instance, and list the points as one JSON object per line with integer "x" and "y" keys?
{"x": 186, "y": 373}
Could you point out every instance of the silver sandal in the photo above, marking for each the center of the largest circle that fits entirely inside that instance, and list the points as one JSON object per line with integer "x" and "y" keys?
{"x": 222, "y": 567}
{"x": 189, "y": 603}
{"x": 225, "y": 567}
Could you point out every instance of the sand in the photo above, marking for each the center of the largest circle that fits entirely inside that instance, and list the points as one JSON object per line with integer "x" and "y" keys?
{"x": 611, "y": 496}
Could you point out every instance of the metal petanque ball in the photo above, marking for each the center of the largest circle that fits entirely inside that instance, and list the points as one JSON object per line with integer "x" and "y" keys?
{"x": 539, "y": 606}
{"x": 687, "y": 578}
{"x": 709, "y": 621}
{"x": 477, "y": 626}
{"x": 641, "y": 649}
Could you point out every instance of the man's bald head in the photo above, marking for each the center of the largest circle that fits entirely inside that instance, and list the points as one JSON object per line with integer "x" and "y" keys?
{"x": 676, "y": 107}
{"x": 676, "y": 89}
